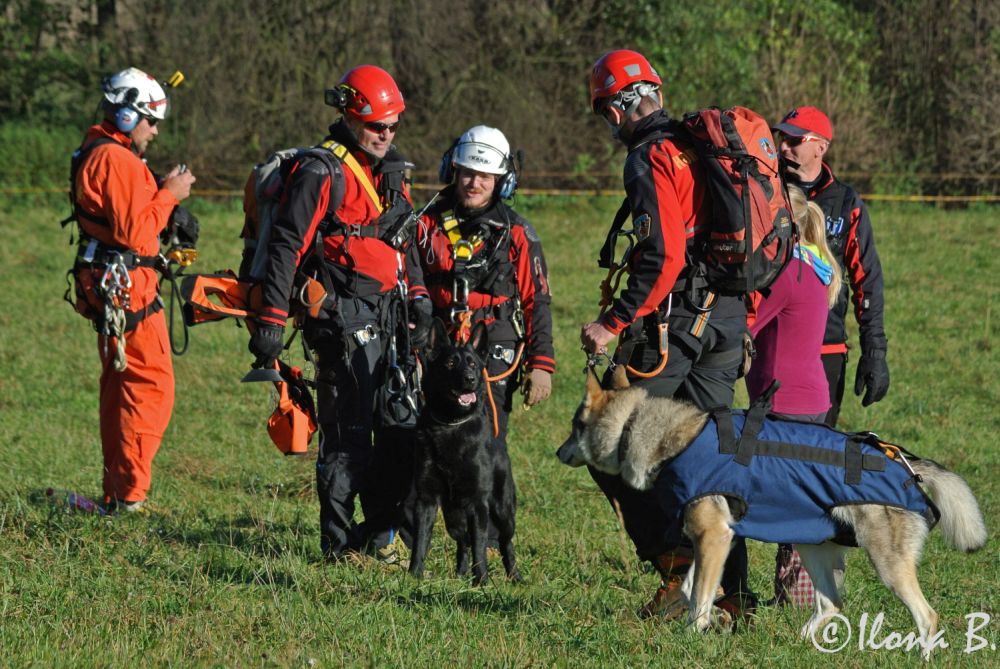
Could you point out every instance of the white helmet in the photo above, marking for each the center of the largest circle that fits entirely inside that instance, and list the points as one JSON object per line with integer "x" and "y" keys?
{"x": 483, "y": 149}
{"x": 133, "y": 88}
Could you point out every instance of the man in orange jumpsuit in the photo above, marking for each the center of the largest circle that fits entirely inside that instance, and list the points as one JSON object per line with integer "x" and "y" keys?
{"x": 121, "y": 208}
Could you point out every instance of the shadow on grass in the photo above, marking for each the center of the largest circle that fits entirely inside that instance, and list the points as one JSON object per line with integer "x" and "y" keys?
{"x": 480, "y": 600}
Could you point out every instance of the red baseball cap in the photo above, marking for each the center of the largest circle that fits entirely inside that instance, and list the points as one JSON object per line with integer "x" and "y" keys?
{"x": 802, "y": 120}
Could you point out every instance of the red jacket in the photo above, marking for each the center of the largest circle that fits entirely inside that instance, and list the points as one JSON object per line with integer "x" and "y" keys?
{"x": 663, "y": 181}
{"x": 520, "y": 254}
{"x": 361, "y": 265}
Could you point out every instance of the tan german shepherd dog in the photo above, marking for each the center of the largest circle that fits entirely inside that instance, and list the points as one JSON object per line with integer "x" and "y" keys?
{"x": 660, "y": 428}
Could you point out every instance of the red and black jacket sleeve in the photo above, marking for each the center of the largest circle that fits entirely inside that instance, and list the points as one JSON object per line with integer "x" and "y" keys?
{"x": 864, "y": 270}
{"x": 536, "y": 300}
{"x": 654, "y": 185}
{"x": 303, "y": 207}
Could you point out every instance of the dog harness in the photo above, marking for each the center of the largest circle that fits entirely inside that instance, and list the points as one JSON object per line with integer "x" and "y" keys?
{"x": 783, "y": 477}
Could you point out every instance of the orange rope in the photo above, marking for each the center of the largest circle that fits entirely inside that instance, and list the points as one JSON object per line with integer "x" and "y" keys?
{"x": 464, "y": 327}
{"x": 664, "y": 355}
{"x": 608, "y": 289}
{"x": 891, "y": 451}
{"x": 654, "y": 372}
{"x": 500, "y": 377}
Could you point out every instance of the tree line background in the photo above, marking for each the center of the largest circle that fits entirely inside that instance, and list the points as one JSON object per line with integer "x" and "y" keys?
{"x": 912, "y": 87}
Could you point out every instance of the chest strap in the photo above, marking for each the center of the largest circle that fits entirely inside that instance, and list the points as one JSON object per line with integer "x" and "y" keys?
{"x": 462, "y": 249}
{"x": 347, "y": 158}
{"x": 851, "y": 459}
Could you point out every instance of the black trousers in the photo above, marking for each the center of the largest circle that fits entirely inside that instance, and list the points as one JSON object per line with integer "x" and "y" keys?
{"x": 358, "y": 458}
{"x": 835, "y": 366}
{"x": 703, "y": 369}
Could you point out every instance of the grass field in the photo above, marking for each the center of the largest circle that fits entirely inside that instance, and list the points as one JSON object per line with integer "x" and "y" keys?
{"x": 226, "y": 570}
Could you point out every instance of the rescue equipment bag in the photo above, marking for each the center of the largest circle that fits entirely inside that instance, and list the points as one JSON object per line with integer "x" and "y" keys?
{"x": 262, "y": 194}
{"x": 752, "y": 233}
{"x": 293, "y": 422}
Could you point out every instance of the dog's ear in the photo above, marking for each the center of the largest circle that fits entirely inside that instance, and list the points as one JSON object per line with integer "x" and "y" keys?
{"x": 437, "y": 338}
{"x": 619, "y": 378}
{"x": 595, "y": 396}
{"x": 479, "y": 340}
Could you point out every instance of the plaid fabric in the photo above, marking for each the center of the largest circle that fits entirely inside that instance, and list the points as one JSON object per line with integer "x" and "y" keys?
{"x": 792, "y": 584}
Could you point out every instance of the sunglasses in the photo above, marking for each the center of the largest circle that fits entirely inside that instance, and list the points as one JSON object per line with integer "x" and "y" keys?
{"x": 378, "y": 128}
{"x": 150, "y": 120}
{"x": 795, "y": 141}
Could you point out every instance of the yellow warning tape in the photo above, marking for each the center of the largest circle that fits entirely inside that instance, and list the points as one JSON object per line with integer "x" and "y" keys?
{"x": 569, "y": 192}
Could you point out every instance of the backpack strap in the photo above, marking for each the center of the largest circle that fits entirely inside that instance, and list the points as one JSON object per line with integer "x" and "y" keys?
{"x": 74, "y": 167}
{"x": 346, "y": 158}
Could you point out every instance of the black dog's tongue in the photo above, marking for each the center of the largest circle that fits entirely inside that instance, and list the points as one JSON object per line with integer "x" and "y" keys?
{"x": 467, "y": 399}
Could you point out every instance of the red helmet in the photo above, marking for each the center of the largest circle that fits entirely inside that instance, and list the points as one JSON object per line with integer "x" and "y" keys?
{"x": 372, "y": 93}
{"x": 617, "y": 69}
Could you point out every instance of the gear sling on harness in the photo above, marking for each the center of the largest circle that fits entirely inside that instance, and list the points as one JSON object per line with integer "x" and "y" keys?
{"x": 100, "y": 277}
{"x": 782, "y": 478}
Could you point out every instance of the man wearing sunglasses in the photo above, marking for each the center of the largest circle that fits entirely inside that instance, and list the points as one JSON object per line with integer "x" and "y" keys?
{"x": 121, "y": 208}
{"x": 806, "y": 135}
{"x": 341, "y": 200}
{"x": 684, "y": 339}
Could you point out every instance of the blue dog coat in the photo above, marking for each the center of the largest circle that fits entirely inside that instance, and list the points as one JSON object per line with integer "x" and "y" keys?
{"x": 786, "y": 481}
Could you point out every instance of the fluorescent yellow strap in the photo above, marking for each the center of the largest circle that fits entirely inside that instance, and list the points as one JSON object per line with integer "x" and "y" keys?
{"x": 345, "y": 157}
{"x": 464, "y": 251}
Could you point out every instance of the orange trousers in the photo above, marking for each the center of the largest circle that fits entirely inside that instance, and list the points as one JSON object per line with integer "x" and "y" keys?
{"x": 136, "y": 405}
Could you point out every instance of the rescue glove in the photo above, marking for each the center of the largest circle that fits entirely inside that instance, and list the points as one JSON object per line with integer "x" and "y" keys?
{"x": 421, "y": 319}
{"x": 872, "y": 375}
{"x": 537, "y": 387}
{"x": 182, "y": 228}
{"x": 267, "y": 342}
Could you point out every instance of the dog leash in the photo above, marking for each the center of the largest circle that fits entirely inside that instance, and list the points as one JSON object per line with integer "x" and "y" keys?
{"x": 500, "y": 377}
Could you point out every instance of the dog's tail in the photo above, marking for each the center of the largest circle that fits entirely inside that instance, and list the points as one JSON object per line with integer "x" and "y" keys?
{"x": 961, "y": 520}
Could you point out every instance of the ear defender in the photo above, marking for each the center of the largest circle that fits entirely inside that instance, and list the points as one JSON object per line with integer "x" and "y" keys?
{"x": 446, "y": 171}
{"x": 126, "y": 118}
{"x": 508, "y": 182}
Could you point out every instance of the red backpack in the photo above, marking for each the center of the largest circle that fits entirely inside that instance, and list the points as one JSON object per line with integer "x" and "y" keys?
{"x": 752, "y": 233}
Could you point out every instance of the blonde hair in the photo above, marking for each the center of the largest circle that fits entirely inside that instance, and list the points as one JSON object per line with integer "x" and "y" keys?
{"x": 812, "y": 229}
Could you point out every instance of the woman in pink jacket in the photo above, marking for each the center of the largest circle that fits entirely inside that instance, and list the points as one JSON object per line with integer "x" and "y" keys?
{"x": 788, "y": 335}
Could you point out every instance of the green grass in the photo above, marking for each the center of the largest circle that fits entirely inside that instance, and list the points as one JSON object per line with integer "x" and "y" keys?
{"x": 226, "y": 571}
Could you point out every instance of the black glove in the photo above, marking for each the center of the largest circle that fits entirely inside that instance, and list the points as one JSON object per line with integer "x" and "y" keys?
{"x": 266, "y": 343}
{"x": 873, "y": 375}
{"x": 182, "y": 228}
{"x": 421, "y": 319}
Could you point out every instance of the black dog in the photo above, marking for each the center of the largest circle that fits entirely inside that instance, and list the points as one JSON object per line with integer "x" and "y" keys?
{"x": 455, "y": 464}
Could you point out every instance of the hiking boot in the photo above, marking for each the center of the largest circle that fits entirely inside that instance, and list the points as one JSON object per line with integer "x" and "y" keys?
{"x": 393, "y": 554}
{"x": 668, "y": 602}
{"x": 731, "y": 611}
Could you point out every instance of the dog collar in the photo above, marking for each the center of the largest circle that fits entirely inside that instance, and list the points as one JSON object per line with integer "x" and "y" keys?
{"x": 450, "y": 423}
